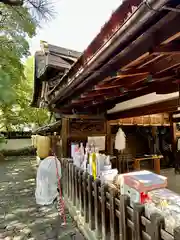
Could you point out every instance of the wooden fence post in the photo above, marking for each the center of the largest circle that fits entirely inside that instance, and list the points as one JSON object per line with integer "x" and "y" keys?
{"x": 113, "y": 224}
{"x": 76, "y": 186}
{"x": 65, "y": 170}
{"x": 120, "y": 223}
{"x": 138, "y": 211}
{"x": 71, "y": 181}
{"x": 73, "y": 185}
{"x": 80, "y": 191}
{"x": 91, "y": 203}
{"x": 177, "y": 233}
{"x": 85, "y": 194}
{"x": 154, "y": 228}
{"x": 104, "y": 209}
{"x": 97, "y": 203}
{"x": 124, "y": 202}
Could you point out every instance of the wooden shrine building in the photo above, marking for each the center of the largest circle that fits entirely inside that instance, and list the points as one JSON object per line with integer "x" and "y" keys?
{"x": 130, "y": 69}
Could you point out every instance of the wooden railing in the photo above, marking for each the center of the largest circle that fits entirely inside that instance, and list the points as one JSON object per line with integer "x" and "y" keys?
{"x": 107, "y": 213}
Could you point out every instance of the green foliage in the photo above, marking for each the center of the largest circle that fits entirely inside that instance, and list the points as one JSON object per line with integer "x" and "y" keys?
{"x": 16, "y": 24}
{"x": 20, "y": 113}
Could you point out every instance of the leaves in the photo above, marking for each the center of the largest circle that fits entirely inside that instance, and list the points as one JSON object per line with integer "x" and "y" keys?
{"x": 19, "y": 20}
{"x": 20, "y": 113}
{"x": 15, "y": 24}
{"x": 38, "y": 9}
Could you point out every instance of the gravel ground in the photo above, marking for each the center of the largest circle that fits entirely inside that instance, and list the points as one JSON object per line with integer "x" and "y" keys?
{"x": 20, "y": 216}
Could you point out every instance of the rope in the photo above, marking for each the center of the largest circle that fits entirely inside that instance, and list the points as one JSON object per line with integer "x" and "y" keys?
{"x": 61, "y": 203}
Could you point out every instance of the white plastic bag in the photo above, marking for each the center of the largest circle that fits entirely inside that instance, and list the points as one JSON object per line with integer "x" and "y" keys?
{"x": 47, "y": 181}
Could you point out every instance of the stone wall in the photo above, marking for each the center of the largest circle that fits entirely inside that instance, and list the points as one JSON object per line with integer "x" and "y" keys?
{"x": 13, "y": 144}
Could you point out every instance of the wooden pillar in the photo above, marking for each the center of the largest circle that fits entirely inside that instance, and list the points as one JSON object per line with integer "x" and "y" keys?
{"x": 173, "y": 133}
{"x": 109, "y": 149}
{"x": 64, "y": 136}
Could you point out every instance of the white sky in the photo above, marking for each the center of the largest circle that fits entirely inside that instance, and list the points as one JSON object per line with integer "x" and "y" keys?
{"x": 77, "y": 22}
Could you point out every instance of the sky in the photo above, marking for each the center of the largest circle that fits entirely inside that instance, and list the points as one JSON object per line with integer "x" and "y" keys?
{"x": 76, "y": 23}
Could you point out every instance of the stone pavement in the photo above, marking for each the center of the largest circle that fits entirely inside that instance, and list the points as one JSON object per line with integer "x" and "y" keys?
{"x": 20, "y": 216}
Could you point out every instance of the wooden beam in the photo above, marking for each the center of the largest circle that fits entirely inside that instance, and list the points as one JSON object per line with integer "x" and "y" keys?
{"x": 83, "y": 116}
{"x": 172, "y": 38}
{"x": 160, "y": 107}
{"x": 122, "y": 82}
{"x": 165, "y": 64}
{"x": 159, "y": 87}
{"x": 95, "y": 93}
{"x": 124, "y": 75}
{"x": 107, "y": 86}
{"x": 149, "y": 60}
{"x": 171, "y": 48}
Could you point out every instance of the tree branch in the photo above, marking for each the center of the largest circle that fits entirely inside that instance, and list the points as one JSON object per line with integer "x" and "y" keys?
{"x": 13, "y": 2}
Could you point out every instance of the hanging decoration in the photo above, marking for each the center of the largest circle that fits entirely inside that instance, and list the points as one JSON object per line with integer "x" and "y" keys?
{"x": 120, "y": 140}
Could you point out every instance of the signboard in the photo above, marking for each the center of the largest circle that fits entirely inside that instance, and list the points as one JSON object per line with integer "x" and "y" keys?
{"x": 98, "y": 141}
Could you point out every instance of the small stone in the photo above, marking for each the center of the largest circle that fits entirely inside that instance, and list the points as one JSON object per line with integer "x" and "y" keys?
{"x": 8, "y": 238}
{"x": 20, "y": 226}
{"x": 10, "y": 227}
{"x": 9, "y": 216}
{"x": 26, "y": 231}
{"x": 18, "y": 238}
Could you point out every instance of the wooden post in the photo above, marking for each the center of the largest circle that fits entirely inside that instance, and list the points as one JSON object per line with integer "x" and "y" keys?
{"x": 137, "y": 165}
{"x": 69, "y": 180}
{"x": 138, "y": 210}
{"x": 109, "y": 149}
{"x": 64, "y": 136}
{"x": 157, "y": 165}
{"x": 91, "y": 203}
{"x": 104, "y": 209}
{"x": 86, "y": 212}
{"x": 65, "y": 182}
{"x": 80, "y": 191}
{"x": 124, "y": 202}
{"x": 173, "y": 133}
{"x": 76, "y": 187}
{"x": 177, "y": 233}
{"x": 154, "y": 228}
{"x": 98, "y": 219}
{"x": 113, "y": 225}
{"x": 73, "y": 185}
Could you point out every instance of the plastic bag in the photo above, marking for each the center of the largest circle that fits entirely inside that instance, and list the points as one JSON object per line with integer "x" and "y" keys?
{"x": 47, "y": 181}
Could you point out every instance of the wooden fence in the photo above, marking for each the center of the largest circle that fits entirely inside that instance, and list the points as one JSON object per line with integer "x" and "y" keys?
{"x": 107, "y": 213}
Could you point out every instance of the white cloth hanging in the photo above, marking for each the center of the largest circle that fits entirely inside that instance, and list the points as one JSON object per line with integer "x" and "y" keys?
{"x": 47, "y": 181}
{"x": 120, "y": 140}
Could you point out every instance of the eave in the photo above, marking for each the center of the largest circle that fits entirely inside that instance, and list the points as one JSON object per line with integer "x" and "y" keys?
{"x": 149, "y": 64}
{"x": 141, "y": 55}
{"x": 50, "y": 63}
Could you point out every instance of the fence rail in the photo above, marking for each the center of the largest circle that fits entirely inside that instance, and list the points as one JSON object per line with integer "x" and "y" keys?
{"x": 107, "y": 213}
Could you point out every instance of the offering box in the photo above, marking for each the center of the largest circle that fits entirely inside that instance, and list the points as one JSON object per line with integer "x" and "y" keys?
{"x": 145, "y": 181}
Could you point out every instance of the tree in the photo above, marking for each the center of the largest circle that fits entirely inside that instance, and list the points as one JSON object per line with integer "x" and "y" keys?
{"x": 18, "y": 20}
{"x": 15, "y": 25}
{"x": 40, "y": 9}
{"x": 13, "y": 116}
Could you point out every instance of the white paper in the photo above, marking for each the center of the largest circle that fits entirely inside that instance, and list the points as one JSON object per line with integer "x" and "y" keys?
{"x": 98, "y": 141}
